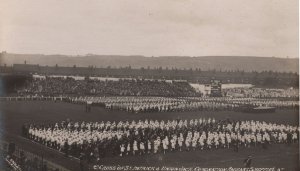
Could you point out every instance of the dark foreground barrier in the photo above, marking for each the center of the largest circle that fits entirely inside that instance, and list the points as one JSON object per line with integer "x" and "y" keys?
{"x": 16, "y": 158}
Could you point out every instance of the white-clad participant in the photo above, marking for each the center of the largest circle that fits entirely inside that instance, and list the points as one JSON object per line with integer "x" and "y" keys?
{"x": 142, "y": 148}
{"x": 122, "y": 149}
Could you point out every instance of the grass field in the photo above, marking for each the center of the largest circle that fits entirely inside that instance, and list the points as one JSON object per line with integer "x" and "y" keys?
{"x": 14, "y": 114}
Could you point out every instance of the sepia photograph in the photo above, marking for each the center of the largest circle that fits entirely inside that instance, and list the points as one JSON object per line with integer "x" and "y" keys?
{"x": 137, "y": 85}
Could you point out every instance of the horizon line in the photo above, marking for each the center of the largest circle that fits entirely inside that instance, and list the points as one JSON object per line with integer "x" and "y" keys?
{"x": 92, "y": 54}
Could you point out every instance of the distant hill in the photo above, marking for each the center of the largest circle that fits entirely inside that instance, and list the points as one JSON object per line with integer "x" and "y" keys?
{"x": 246, "y": 63}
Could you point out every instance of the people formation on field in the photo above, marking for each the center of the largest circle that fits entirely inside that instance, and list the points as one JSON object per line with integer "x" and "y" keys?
{"x": 179, "y": 104}
{"x": 56, "y": 86}
{"x": 96, "y": 140}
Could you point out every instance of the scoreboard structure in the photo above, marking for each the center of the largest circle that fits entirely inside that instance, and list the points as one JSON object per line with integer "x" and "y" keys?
{"x": 216, "y": 88}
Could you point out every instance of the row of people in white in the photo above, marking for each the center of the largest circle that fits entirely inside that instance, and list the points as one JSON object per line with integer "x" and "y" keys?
{"x": 162, "y": 104}
{"x": 213, "y": 140}
{"x": 134, "y": 137}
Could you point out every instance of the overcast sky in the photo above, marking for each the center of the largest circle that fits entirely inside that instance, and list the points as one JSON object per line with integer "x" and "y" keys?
{"x": 150, "y": 27}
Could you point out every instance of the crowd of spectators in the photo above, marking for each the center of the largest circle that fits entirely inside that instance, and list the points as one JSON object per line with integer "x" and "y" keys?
{"x": 261, "y": 92}
{"x": 139, "y": 95}
{"x": 55, "y": 86}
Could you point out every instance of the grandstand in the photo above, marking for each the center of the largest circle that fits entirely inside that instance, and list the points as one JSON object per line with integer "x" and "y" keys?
{"x": 56, "y": 86}
{"x": 263, "y": 79}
